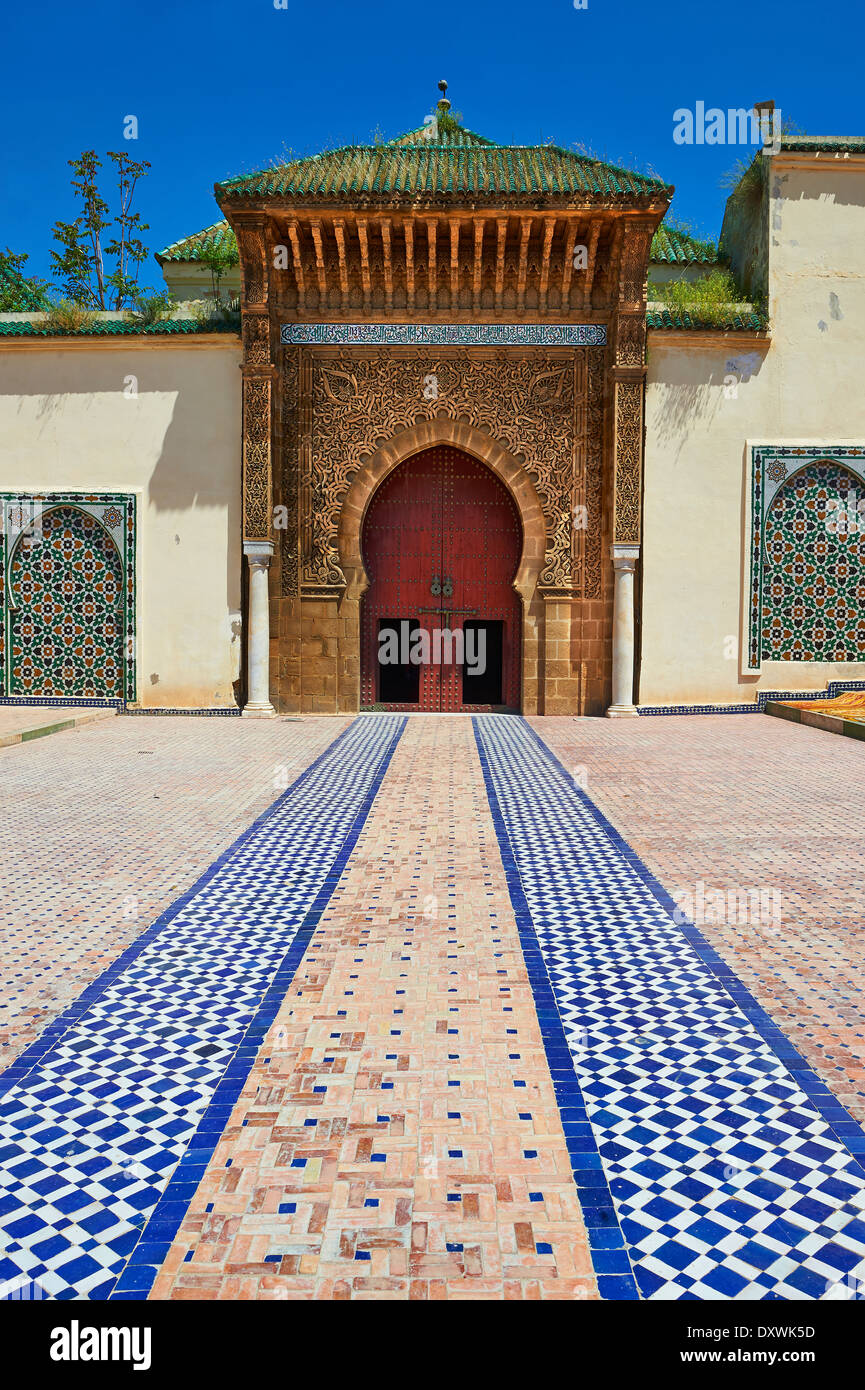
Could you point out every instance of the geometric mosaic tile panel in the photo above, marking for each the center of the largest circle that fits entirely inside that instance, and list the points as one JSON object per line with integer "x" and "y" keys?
{"x": 806, "y": 532}
{"x": 67, "y": 595}
{"x": 814, "y": 567}
{"x": 698, "y": 1134}
{"x": 132, "y": 1086}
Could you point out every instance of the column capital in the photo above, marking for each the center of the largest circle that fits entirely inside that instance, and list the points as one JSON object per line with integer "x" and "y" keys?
{"x": 624, "y": 557}
{"x": 258, "y": 552}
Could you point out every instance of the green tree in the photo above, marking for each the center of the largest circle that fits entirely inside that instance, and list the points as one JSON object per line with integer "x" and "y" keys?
{"x": 19, "y": 293}
{"x": 79, "y": 263}
{"x": 218, "y": 260}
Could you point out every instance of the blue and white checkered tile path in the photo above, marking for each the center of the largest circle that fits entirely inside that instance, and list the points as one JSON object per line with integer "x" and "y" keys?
{"x": 100, "y": 1112}
{"x": 711, "y": 1161}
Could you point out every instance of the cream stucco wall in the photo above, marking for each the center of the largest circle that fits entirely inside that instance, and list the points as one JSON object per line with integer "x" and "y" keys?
{"x": 69, "y": 421}
{"x": 709, "y": 395}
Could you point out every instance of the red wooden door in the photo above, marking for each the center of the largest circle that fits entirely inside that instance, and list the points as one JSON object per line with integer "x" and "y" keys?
{"x": 441, "y": 543}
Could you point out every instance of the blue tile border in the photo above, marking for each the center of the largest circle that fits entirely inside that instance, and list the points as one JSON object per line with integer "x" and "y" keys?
{"x": 578, "y": 890}
{"x": 139, "y": 1273}
{"x": 16, "y": 1071}
{"x": 607, "y": 1246}
{"x": 757, "y": 706}
{"x": 846, "y": 1130}
{"x": 52, "y": 702}
{"x": 230, "y": 712}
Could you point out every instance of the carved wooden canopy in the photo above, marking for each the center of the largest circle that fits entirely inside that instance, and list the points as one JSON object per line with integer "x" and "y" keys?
{"x": 542, "y": 258}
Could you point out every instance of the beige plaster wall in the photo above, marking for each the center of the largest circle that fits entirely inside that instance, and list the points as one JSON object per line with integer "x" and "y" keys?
{"x": 69, "y": 420}
{"x": 707, "y": 396}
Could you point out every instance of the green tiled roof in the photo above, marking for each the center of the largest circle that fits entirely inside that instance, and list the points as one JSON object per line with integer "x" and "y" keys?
{"x": 749, "y": 322}
{"x": 26, "y": 328}
{"x": 814, "y": 144}
{"x": 457, "y": 163}
{"x": 192, "y": 248}
{"x": 451, "y": 137}
{"x": 672, "y": 246}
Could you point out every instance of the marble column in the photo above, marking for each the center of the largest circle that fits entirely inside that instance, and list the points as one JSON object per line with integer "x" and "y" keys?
{"x": 258, "y": 706}
{"x": 624, "y": 564}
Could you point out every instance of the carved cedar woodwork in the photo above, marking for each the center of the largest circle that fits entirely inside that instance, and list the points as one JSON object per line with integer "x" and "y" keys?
{"x": 634, "y": 264}
{"x": 256, "y": 339}
{"x": 257, "y": 373}
{"x": 628, "y": 430}
{"x": 594, "y": 472}
{"x": 252, "y": 251}
{"x": 630, "y": 340}
{"x": 256, "y": 458}
{"x": 290, "y": 424}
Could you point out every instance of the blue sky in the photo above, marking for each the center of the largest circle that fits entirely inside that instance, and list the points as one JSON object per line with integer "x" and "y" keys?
{"x": 224, "y": 87}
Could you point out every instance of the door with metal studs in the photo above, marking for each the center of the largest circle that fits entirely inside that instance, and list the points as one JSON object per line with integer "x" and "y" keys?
{"x": 441, "y": 544}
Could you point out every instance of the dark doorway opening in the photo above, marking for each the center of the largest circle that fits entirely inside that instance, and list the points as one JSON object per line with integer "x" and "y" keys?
{"x": 482, "y": 679}
{"x": 398, "y": 682}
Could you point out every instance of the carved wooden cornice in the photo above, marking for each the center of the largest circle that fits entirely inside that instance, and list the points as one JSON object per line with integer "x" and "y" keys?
{"x": 469, "y": 265}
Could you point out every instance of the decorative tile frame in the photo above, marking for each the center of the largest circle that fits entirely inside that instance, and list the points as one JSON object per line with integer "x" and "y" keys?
{"x": 117, "y": 515}
{"x": 768, "y": 468}
{"x": 446, "y": 334}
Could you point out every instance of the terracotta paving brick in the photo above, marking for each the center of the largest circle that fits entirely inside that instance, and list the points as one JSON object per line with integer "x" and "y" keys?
{"x": 748, "y": 802}
{"x": 23, "y": 722}
{"x": 102, "y": 828}
{"x": 398, "y": 1135}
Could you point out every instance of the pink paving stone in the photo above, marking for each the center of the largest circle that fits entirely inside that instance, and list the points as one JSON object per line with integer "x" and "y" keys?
{"x": 16, "y": 720}
{"x": 750, "y": 802}
{"x": 410, "y": 947}
{"x": 103, "y": 827}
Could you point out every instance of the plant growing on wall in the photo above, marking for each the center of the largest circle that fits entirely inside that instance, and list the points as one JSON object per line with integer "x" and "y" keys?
{"x": 81, "y": 263}
{"x": 713, "y": 299}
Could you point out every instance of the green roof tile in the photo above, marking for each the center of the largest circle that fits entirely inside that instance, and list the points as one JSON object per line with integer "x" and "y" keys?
{"x": 672, "y": 246}
{"x": 192, "y": 248}
{"x": 832, "y": 144}
{"x": 457, "y": 162}
{"x": 27, "y": 328}
{"x": 750, "y": 322}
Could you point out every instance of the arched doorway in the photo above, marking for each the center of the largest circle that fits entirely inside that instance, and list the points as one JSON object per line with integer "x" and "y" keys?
{"x": 441, "y": 621}
{"x": 66, "y": 621}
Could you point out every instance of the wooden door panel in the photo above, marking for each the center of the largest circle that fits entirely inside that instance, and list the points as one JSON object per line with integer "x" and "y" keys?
{"x": 442, "y": 514}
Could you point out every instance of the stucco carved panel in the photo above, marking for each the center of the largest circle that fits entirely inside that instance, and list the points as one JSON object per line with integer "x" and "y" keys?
{"x": 528, "y": 403}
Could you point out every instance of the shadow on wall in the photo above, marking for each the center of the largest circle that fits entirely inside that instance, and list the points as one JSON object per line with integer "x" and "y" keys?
{"x": 198, "y": 435}
{"x": 679, "y": 405}
{"x": 182, "y": 449}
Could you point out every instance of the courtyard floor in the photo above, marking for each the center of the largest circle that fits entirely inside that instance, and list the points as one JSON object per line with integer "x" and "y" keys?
{"x": 433, "y": 1008}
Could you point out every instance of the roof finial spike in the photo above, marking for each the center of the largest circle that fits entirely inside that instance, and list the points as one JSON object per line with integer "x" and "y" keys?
{"x": 444, "y": 104}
